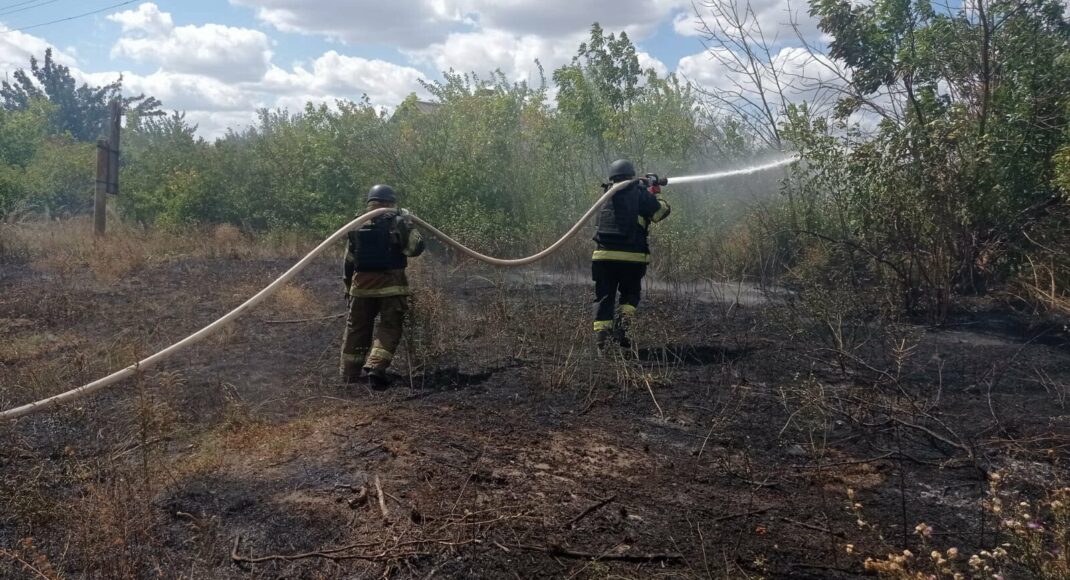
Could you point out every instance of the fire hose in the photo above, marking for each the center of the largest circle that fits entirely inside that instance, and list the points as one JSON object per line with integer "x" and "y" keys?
{"x": 153, "y": 360}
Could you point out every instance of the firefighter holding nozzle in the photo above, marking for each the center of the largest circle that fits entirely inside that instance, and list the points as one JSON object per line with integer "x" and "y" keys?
{"x": 619, "y": 262}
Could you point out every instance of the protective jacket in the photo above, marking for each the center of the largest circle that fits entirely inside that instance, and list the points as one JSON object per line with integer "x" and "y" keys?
{"x": 377, "y": 255}
{"x": 624, "y": 224}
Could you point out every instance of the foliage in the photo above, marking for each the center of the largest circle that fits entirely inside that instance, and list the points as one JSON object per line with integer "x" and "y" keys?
{"x": 81, "y": 111}
{"x": 964, "y": 162}
{"x": 490, "y": 161}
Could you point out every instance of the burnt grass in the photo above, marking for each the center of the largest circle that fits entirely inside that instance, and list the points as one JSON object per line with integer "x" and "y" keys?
{"x": 724, "y": 445}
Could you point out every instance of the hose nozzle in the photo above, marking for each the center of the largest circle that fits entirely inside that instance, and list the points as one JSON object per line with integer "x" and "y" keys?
{"x": 653, "y": 183}
{"x": 654, "y": 180}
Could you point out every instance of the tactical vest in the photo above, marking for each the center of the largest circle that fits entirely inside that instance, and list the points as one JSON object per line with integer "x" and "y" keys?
{"x": 619, "y": 225}
{"x": 378, "y": 245}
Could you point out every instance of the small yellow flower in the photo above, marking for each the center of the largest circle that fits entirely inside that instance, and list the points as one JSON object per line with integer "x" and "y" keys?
{"x": 952, "y": 553}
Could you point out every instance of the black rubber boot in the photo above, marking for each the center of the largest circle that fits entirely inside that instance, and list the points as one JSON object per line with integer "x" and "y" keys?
{"x": 601, "y": 339}
{"x": 620, "y": 333}
{"x": 354, "y": 376}
{"x": 378, "y": 379}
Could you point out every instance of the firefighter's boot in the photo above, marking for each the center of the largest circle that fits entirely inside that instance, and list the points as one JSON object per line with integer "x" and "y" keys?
{"x": 601, "y": 340}
{"x": 378, "y": 378}
{"x": 351, "y": 370}
{"x": 620, "y": 329}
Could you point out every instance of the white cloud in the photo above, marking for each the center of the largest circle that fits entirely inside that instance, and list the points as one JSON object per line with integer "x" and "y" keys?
{"x": 416, "y": 24}
{"x": 182, "y": 91}
{"x": 213, "y": 124}
{"x": 222, "y": 52}
{"x": 800, "y": 76}
{"x": 772, "y": 19}
{"x": 406, "y": 23}
{"x": 384, "y": 82}
{"x": 145, "y": 18}
{"x": 647, "y": 61}
{"x": 489, "y": 50}
{"x": 16, "y": 48}
{"x": 687, "y": 24}
{"x": 555, "y": 18}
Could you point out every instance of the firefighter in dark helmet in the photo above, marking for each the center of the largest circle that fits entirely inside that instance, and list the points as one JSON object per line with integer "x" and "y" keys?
{"x": 376, "y": 286}
{"x": 622, "y": 254}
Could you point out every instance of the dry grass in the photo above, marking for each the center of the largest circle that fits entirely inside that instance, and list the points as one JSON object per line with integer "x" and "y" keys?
{"x": 70, "y": 248}
{"x": 295, "y": 301}
{"x": 1046, "y": 286}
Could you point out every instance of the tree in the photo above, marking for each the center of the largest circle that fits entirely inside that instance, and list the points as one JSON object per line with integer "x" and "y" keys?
{"x": 599, "y": 87}
{"x": 944, "y": 193}
{"x": 81, "y": 111}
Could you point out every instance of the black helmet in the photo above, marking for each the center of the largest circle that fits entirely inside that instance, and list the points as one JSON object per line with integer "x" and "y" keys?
{"x": 383, "y": 193}
{"x": 621, "y": 169}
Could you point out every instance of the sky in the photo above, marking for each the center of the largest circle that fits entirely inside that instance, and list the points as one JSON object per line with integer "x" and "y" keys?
{"x": 221, "y": 60}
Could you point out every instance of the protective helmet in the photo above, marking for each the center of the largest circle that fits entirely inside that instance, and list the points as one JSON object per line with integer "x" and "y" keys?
{"x": 621, "y": 169}
{"x": 383, "y": 193}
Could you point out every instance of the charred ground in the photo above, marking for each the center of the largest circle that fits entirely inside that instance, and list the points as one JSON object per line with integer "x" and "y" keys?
{"x": 739, "y": 440}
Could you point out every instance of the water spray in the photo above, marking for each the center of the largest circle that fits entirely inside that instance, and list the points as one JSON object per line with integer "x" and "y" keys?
{"x": 145, "y": 364}
{"x": 733, "y": 173}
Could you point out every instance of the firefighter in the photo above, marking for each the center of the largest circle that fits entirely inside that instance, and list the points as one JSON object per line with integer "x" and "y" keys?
{"x": 622, "y": 254}
{"x": 376, "y": 286}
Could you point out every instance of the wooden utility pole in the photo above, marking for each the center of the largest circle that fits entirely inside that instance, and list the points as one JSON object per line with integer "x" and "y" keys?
{"x": 107, "y": 169}
{"x": 100, "y": 204}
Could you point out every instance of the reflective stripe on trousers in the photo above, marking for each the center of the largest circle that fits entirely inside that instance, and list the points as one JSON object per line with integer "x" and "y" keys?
{"x": 618, "y": 256}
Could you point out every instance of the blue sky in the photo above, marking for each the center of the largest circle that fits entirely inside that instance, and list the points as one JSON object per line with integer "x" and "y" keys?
{"x": 220, "y": 60}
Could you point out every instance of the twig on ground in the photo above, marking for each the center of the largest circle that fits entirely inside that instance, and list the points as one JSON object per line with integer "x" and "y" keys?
{"x": 811, "y": 527}
{"x": 139, "y": 446}
{"x": 331, "y": 554}
{"x": 590, "y": 511}
{"x": 742, "y": 515}
{"x": 820, "y": 567}
{"x": 382, "y": 498}
{"x": 300, "y": 320}
{"x": 336, "y": 554}
{"x": 842, "y": 463}
{"x": 26, "y": 566}
{"x": 561, "y": 552}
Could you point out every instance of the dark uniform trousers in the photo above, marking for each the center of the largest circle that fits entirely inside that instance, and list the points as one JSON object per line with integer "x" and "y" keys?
{"x": 610, "y": 278}
{"x": 358, "y": 348}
